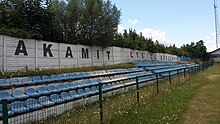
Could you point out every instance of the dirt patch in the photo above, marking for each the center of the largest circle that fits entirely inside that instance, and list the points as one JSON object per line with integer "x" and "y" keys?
{"x": 212, "y": 77}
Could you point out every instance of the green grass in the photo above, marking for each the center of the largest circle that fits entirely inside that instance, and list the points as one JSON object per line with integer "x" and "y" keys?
{"x": 40, "y": 72}
{"x": 205, "y": 105}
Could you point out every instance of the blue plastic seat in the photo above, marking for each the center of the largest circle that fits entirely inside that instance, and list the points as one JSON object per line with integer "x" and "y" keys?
{"x": 95, "y": 89}
{"x": 73, "y": 76}
{"x": 10, "y": 113}
{"x": 63, "y": 77}
{"x": 56, "y": 99}
{"x": 74, "y": 94}
{"x": 37, "y": 80}
{"x": 89, "y": 91}
{"x": 47, "y": 79}
{"x": 43, "y": 90}
{"x": 82, "y": 92}
{"x": 33, "y": 104}
{"x": 76, "y": 84}
{"x": 104, "y": 87}
{"x": 18, "y": 107}
{"x": 52, "y": 88}
{"x": 55, "y": 78}
{"x": 61, "y": 87}
{"x": 66, "y": 96}
{"x": 27, "y": 81}
{"x": 16, "y": 82}
{"x": 44, "y": 100}
{"x": 6, "y": 95}
{"x": 4, "y": 83}
{"x": 31, "y": 92}
{"x": 19, "y": 94}
{"x": 69, "y": 85}
{"x": 109, "y": 86}
{"x": 87, "y": 83}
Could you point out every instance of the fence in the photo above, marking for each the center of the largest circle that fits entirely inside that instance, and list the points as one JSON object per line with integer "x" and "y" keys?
{"x": 34, "y": 110}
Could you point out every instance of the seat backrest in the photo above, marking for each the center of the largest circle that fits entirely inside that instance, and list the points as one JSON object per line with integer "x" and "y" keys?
{"x": 51, "y": 87}
{"x": 43, "y": 99}
{"x": 75, "y": 83}
{"x": 31, "y": 102}
{"x": 87, "y": 89}
{"x": 14, "y": 81}
{"x": 54, "y": 77}
{"x": 30, "y": 90}
{"x": 54, "y": 96}
{"x": 26, "y": 79}
{"x": 60, "y": 86}
{"x": 73, "y": 92}
{"x": 36, "y": 78}
{"x": 80, "y": 91}
{"x": 4, "y": 94}
{"x": 62, "y": 76}
{"x": 16, "y": 104}
{"x": 68, "y": 84}
{"x": 94, "y": 88}
{"x": 45, "y": 77}
{"x": 17, "y": 92}
{"x": 41, "y": 88}
{"x": 3, "y": 81}
{"x": 64, "y": 94}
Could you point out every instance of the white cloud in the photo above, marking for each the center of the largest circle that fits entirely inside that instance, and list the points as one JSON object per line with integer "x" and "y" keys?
{"x": 120, "y": 29}
{"x": 156, "y": 34}
{"x": 210, "y": 42}
{"x": 132, "y": 21}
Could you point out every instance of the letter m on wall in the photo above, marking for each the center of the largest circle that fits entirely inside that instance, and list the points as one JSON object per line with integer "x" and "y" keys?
{"x": 85, "y": 53}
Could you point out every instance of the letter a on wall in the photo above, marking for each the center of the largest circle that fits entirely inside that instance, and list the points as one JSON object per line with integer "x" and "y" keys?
{"x": 69, "y": 52}
{"x": 21, "y": 48}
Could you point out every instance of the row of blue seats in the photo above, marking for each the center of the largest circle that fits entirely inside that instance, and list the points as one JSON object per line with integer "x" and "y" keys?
{"x": 152, "y": 63}
{"x": 19, "y": 94}
{"x": 24, "y": 81}
{"x": 31, "y": 104}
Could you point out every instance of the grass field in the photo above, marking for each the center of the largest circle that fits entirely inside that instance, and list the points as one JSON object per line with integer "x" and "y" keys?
{"x": 183, "y": 101}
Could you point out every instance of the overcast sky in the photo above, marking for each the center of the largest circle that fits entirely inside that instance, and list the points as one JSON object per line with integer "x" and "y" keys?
{"x": 170, "y": 21}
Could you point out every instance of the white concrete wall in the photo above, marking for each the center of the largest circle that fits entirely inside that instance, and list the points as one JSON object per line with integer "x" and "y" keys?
{"x": 84, "y": 55}
{"x": 132, "y": 55}
{"x": 97, "y": 56}
{"x": 117, "y": 55}
{"x": 17, "y": 53}
{"x": 108, "y": 56}
{"x": 125, "y": 55}
{"x": 19, "y": 61}
{"x": 1, "y": 53}
{"x": 68, "y": 55}
{"x": 47, "y": 61}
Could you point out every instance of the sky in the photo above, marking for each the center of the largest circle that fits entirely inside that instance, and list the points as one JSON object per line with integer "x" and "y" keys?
{"x": 170, "y": 21}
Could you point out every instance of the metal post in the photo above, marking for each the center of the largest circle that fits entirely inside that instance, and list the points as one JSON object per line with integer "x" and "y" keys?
{"x": 189, "y": 72}
{"x": 178, "y": 75}
{"x": 157, "y": 83}
{"x": 5, "y": 111}
{"x": 100, "y": 103}
{"x": 169, "y": 78}
{"x": 184, "y": 72}
{"x": 137, "y": 86}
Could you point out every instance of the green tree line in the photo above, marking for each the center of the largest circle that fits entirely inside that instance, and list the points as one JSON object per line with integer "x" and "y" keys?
{"x": 88, "y": 22}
